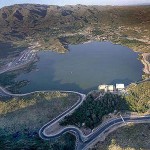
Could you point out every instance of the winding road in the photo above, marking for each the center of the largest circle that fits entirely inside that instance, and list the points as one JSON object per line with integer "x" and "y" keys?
{"x": 82, "y": 141}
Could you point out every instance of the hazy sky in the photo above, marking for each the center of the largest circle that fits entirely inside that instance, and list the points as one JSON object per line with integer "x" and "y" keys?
{"x": 73, "y": 2}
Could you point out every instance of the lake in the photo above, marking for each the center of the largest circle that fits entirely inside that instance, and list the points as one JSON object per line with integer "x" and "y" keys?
{"x": 83, "y": 68}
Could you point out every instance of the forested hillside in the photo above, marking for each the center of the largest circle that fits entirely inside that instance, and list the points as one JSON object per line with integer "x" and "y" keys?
{"x": 91, "y": 112}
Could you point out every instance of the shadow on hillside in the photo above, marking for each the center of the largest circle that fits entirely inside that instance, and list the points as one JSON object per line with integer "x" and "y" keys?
{"x": 6, "y": 50}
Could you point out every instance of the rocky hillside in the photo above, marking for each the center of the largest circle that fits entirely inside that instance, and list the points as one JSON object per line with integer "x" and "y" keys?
{"x": 52, "y": 24}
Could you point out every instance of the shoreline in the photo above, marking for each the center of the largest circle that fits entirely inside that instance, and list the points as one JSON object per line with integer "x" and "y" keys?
{"x": 146, "y": 63}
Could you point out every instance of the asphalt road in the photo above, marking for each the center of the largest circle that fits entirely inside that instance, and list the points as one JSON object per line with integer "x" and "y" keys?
{"x": 61, "y": 116}
{"x": 110, "y": 125}
{"x": 84, "y": 141}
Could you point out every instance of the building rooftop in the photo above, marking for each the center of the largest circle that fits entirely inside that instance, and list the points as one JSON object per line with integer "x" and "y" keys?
{"x": 119, "y": 86}
{"x": 106, "y": 87}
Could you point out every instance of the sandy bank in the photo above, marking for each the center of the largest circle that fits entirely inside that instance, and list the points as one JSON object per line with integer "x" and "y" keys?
{"x": 145, "y": 61}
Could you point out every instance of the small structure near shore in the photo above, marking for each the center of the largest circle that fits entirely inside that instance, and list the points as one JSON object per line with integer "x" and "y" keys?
{"x": 111, "y": 88}
{"x": 120, "y": 87}
{"x": 106, "y": 88}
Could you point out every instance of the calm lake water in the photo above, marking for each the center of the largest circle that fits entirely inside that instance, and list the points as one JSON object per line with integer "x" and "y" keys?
{"x": 83, "y": 68}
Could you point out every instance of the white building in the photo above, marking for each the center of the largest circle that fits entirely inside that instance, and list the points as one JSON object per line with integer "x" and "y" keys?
{"x": 106, "y": 88}
{"x": 102, "y": 88}
{"x": 120, "y": 87}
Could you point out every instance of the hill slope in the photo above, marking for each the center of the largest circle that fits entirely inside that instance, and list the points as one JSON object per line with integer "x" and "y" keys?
{"x": 74, "y": 24}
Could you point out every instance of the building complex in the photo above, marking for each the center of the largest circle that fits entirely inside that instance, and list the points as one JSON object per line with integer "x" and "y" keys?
{"x": 111, "y": 88}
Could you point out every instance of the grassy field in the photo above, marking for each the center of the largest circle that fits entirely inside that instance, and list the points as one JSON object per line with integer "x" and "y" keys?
{"x": 22, "y": 117}
{"x": 132, "y": 137}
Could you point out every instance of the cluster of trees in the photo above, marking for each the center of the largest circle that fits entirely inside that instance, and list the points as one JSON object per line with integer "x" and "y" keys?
{"x": 138, "y": 97}
{"x": 77, "y": 39}
{"x": 91, "y": 111}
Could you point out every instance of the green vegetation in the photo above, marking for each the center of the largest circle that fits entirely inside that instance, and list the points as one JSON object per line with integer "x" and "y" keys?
{"x": 127, "y": 41}
{"x": 91, "y": 112}
{"x": 136, "y": 45}
{"x": 74, "y": 39}
{"x": 138, "y": 97}
{"x": 29, "y": 140}
{"x": 132, "y": 137}
{"x": 17, "y": 103}
{"x": 97, "y": 32}
{"x": 22, "y": 117}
